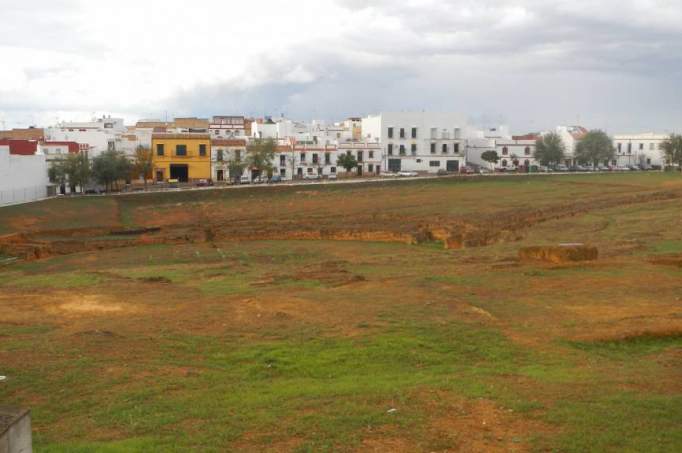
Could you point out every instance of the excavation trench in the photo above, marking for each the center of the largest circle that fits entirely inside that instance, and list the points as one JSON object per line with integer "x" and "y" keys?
{"x": 454, "y": 234}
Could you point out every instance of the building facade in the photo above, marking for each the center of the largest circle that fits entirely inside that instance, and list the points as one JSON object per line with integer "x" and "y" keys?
{"x": 516, "y": 153}
{"x": 103, "y": 134}
{"x": 419, "y": 141}
{"x": 223, "y": 151}
{"x": 181, "y": 157}
{"x": 641, "y": 150}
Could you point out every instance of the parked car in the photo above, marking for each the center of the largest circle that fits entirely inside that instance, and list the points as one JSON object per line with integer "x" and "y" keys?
{"x": 561, "y": 167}
{"x": 275, "y": 179}
{"x": 408, "y": 174}
{"x": 602, "y": 168}
{"x": 484, "y": 171}
{"x": 467, "y": 170}
{"x": 244, "y": 179}
{"x": 622, "y": 168}
{"x": 580, "y": 168}
{"x": 258, "y": 180}
{"x": 202, "y": 183}
{"x": 312, "y": 176}
{"x": 332, "y": 176}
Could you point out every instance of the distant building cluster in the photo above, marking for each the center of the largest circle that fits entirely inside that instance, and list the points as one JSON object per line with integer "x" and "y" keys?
{"x": 201, "y": 149}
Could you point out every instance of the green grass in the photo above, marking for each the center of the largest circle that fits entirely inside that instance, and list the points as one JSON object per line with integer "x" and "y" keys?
{"x": 632, "y": 346}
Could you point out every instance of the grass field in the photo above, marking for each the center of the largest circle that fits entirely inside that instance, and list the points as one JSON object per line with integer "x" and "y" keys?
{"x": 301, "y": 319}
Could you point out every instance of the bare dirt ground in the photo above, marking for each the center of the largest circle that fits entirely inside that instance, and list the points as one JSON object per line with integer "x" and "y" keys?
{"x": 385, "y": 318}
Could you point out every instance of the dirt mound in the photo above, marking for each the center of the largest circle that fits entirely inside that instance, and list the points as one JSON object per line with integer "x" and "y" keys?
{"x": 563, "y": 253}
{"x": 668, "y": 260}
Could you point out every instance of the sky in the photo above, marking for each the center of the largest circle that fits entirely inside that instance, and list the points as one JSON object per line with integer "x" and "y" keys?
{"x": 615, "y": 65}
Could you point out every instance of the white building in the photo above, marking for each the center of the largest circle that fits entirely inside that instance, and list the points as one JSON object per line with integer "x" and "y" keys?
{"x": 223, "y": 151}
{"x": 227, "y": 127}
{"x": 99, "y": 135}
{"x": 570, "y": 136}
{"x": 367, "y": 154}
{"x": 23, "y": 178}
{"x": 419, "y": 141}
{"x": 643, "y": 150}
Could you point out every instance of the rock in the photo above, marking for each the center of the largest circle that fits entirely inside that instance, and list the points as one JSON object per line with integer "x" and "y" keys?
{"x": 562, "y": 253}
{"x": 392, "y": 411}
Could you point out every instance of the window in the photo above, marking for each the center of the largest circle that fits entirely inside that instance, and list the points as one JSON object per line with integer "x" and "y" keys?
{"x": 390, "y": 132}
{"x": 504, "y": 162}
{"x": 327, "y": 158}
{"x": 629, "y": 148}
{"x": 180, "y": 150}
{"x": 217, "y": 132}
{"x": 220, "y": 175}
{"x": 371, "y": 154}
{"x": 159, "y": 149}
{"x": 445, "y": 148}
{"x": 315, "y": 158}
{"x": 332, "y": 169}
{"x": 402, "y": 150}
{"x": 359, "y": 156}
{"x": 219, "y": 156}
{"x": 402, "y": 132}
{"x": 413, "y": 149}
{"x": 390, "y": 149}
{"x": 620, "y": 147}
{"x": 238, "y": 154}
{"x": 434, "y": 163}
{"x": 302, "y": 157}
{"x": 282, "y": 173}
{"x": 433, "y": 148}
{"x": 526, "y": 151}
{"x": 310, "y": 170}
{"x": 370, "y": 168}
{"x": 202, "y": 149}
{"x": 455, "y": 148}
{"x": 505, "y": 151}
{"x": 414, "y": 132}
{"x": 282, "y": 160}
{"x": 641, "y": 146}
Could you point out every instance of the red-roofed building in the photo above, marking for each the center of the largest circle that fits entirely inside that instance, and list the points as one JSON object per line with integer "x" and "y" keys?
{"x": 20, "y": 147}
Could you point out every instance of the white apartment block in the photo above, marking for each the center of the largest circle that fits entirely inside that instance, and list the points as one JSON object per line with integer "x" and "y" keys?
{"x": 99, "y": 135}
{"x": 643, "y": 150}
{"x": 419, "y": 141}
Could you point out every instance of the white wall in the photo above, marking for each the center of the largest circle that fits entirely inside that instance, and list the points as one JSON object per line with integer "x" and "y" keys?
{"x": 22, "y": 178}
{"x": 449, "y": 130}
{"x": 639, "y": 149}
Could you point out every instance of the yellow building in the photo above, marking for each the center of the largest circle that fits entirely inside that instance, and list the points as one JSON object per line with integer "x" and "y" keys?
{"x": 185, "y": 157}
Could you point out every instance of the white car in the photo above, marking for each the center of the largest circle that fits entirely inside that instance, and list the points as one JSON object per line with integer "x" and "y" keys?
{"x": 244, "y": 180}
{"x": 331, "y": 176}
{"x": 312, "y": 176}
{"x": 408, "y": 174}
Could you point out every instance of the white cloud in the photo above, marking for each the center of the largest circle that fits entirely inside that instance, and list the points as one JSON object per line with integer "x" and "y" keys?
{"x": 492, "y": 58}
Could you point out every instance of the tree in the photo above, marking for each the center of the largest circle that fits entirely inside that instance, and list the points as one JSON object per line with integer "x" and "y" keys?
{"x": 110, "y": 167}
{"x": 347, "y": 161}
{"x": 143, "y": 164}
{"x": 491, "y": 157}
{"x": 672, "y": 150}
{"x": 236, "y": 168}
{"x": 77, "y": 167}
{"x": 594, "y": 148}
{"x": 549, "y": 149}
{"x": 57, "y": 173}
{"x": 260, "y": 155}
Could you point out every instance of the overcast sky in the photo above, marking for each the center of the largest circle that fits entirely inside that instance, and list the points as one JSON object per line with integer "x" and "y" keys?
{"x": 532, "y": 64}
